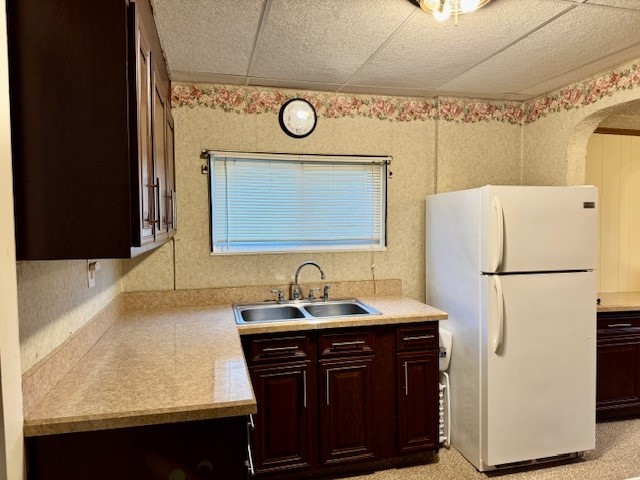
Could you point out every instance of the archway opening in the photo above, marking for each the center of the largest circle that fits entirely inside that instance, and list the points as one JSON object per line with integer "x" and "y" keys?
{"x": 612, "y": 163}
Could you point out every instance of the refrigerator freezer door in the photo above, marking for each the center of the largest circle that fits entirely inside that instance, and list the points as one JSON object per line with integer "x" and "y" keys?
{"x": 535, "y": 229}
{"x": 539, "y": 350}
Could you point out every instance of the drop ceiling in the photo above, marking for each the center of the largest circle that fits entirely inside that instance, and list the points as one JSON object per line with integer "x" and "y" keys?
{"x": 510, "y": 49}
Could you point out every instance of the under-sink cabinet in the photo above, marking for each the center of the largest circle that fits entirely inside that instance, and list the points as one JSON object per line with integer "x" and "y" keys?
{"x": 618, "y": 381}
{"x": 349, "y": 397}
{"x": 92, "y": 134}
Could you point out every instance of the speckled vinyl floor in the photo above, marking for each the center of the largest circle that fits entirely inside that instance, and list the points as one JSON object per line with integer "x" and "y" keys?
{"x": 616, "y": 457}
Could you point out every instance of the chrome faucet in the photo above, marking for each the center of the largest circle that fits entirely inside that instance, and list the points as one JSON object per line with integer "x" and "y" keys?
{"x": 296, "y": 292}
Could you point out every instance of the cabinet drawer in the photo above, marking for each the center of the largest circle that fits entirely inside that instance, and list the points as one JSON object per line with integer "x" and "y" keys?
{"x": 346, "y": 343}
{"x": 615, "y": 324}
{"x": 418, "y": 337}
{"x": 287, "y": 348}
{"x": 618, "y": 321}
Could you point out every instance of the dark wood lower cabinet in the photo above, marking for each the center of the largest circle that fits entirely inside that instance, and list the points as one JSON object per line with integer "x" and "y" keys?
{"x": 336, "y": 400}
{"x": 200, "y": 450}
{"x": 346, "y": 411}
{"x": 281, "y": 434}
{"x": 618, "y": 377}
{"x": 417, "y": 401}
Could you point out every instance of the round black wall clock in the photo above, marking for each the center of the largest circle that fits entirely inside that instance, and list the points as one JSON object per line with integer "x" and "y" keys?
{"x": 298, "y": 118}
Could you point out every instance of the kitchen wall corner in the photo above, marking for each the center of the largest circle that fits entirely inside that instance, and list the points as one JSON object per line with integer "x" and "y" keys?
{"x": 54, "y": 302}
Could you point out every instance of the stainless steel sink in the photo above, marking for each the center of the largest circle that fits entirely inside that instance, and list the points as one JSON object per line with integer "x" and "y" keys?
{"x": 300, "y": 310}
{"x": 336, "y": 309}
{"x": 270, "y": 313}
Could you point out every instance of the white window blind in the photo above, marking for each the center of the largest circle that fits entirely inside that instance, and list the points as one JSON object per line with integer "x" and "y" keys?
{"x": 276, "y": 203}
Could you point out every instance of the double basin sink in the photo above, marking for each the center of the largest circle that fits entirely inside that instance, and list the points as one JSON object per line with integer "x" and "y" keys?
{"x": 300, "y": 310}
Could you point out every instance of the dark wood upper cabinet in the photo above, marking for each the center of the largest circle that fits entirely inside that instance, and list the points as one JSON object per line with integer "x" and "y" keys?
{"x": 160, "y": 183}
{"x": 89, "y": 113}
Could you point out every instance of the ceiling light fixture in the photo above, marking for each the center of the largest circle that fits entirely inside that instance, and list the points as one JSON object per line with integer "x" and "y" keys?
{"x": 442, "y": 9}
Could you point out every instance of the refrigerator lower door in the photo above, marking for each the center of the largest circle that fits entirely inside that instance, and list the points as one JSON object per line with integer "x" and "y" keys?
{"x": 537, "y": 229}
{"x": 539, "y": 366}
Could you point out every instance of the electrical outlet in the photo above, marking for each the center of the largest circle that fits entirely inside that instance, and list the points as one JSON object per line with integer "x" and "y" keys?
{"x": 92, "y": 267}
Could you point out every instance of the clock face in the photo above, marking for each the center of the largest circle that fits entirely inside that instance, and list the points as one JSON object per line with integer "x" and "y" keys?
{"x": 298, "y": 118}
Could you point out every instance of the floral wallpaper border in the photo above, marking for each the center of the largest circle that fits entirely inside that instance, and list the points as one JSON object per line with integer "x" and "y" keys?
{"x": 250, "y": 100}
{"x": 583, "y": 93}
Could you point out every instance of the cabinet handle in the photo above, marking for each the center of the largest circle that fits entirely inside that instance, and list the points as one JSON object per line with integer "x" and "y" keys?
{"x": 174, "y": 220}
{"x": 304, "y": 388}
{"x": 406, "y": 380}
{"x": 355, "y": 367}
{"x": 346, "y": 344}
{"x": 158, "y": 214}
{"x": 280, "y": 349}
{"x": 417, "y": 337}
{"x": 614, "y": 325}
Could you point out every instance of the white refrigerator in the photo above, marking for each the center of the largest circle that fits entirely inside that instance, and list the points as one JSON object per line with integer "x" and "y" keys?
{"x": 513, "y": 267}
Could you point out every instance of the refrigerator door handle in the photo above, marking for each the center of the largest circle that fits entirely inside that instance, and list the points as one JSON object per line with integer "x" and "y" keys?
{"x": 499, "y": 334}
{"x": 499, "y": 250}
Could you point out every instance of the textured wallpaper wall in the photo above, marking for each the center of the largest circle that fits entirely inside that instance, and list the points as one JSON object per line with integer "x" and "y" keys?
{"x": 54, "y": 302}
{"x": 622, "y": 121}
{"x": 471, "y": 150}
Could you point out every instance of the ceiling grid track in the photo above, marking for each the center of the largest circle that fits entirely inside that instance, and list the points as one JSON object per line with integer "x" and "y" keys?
{"x": 519, "y": 39}
{"x": 259, "y": 35}
{"x": 379, "y": 49}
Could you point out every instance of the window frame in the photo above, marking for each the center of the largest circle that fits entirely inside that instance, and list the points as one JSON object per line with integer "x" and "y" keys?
{"x": 383, "y": 160}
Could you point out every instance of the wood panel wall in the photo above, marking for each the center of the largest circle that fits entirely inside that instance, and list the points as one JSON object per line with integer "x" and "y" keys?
{"x": 613, "y": 165}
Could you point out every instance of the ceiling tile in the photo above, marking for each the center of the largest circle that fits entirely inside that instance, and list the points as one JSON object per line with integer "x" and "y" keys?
{"x": 195, "y": 77}
{"x": 393, "y": 91}
{"x": 579, "y": 74}
{"x": 297, "y": 84}
{"x": 427, "y": 53}
{"x": 325, "y": 41}
{"x": 632, "y": 4}
{"x": 569, "y": 42}
{"x": 481, "y": 95}
{"x": 202, "y": 35}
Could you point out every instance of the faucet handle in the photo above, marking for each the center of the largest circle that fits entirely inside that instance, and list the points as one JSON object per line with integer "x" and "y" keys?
{"x": 278, "y": 292}
{"x": 326, "y": 291}
{"x": 312, "y": 293}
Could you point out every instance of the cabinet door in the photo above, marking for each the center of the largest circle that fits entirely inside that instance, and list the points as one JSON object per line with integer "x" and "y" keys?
{"x": 160, "y": 158}
{"x": 346, "y": 419}
{"x": 172, "y": 208}
{"x": 283, "y": 430}
{"x": 618, "y": 381}
{"x": 417, "y": 401}
{"x": 145, "y": 150}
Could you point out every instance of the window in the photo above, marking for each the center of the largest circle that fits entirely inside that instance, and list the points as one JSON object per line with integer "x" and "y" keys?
{"x": 282, "y": 203}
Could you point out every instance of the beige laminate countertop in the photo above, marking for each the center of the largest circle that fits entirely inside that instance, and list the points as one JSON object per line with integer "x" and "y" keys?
{"x": 619, "y": 301}
{"x": 173, "y": 365}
